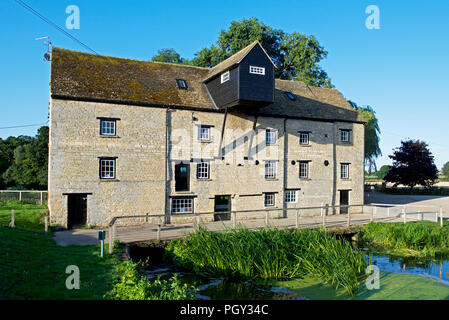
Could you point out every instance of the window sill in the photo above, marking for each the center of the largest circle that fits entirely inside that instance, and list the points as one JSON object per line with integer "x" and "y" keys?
{"x": 109, "y": 180}
{"x": 111, "y": 137}
{"x": 305, "y": 145}
{"x": 204, "y": 141}
{"x": 203, "y": 179}
{"x": 183, "y": 193}
{"x": 344, "y": 179}
{"x": 305, "y": 179}
{"x": 271, "y": 179}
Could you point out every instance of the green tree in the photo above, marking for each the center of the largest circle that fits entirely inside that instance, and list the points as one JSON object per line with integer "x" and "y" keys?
{"x": 295, "y": 55}
{"x": 372, "y": 132}
{"x": 30, "y": 161}
{"x": 383, "y": 171}
{"x": 413, "y": 164}
{"x": 445, "y": 169}
{"x": 168, "y": 55}
{"x": 7, "y": 148}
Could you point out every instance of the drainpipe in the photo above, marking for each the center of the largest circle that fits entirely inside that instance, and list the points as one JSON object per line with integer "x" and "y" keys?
{"x": 334, "y": 163}
{"x": 284, "y": 204}
{"x": 220, "y": 153}
{"x": 166, "y": 204}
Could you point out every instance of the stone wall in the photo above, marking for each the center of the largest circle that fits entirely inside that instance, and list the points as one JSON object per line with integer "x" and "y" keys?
{"x": 239, "y": 171}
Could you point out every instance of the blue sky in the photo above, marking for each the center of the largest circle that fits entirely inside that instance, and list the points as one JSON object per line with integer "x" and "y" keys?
{"x": 400, "y": 70}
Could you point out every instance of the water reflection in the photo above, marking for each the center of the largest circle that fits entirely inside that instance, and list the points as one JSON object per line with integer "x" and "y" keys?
{"x": 434, "y": 269}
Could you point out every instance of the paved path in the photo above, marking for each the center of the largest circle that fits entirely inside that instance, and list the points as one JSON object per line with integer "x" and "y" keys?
{"x": 438, "y": 201}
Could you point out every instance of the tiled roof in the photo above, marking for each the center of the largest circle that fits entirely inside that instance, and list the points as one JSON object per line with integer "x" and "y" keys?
{"x": 90, "y": 77}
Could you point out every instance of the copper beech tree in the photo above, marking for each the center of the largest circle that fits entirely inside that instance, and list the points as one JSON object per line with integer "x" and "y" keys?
{"x": 413, "y": 164}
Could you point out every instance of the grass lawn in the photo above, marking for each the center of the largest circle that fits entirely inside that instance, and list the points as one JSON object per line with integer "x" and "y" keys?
{"x": 27, "y": 216}
{"x": 393, "y": 286}
{"x": 32, "y": 266}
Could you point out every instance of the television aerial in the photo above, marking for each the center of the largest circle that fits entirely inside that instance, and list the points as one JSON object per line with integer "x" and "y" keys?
{"x": 47, "y": 56}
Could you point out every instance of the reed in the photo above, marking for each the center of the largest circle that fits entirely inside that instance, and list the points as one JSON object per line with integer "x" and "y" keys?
{"x": 426, "y": 238}
{"x": 271, "y": 254}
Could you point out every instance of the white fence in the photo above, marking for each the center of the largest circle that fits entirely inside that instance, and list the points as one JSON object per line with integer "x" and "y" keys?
{"x": 29, "y": 196}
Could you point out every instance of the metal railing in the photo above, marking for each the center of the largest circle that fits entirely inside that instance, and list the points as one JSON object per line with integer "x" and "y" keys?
{"x": 325, "y": 216}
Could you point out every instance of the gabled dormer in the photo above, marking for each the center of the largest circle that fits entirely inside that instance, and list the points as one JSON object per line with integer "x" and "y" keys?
{"x": 244, "y": 79}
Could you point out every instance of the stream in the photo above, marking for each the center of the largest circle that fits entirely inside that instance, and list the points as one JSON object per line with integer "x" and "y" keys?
{"x": 221, "y": 288}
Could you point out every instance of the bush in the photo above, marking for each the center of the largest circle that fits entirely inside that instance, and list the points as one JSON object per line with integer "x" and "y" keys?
{"x": 134, "y": 286}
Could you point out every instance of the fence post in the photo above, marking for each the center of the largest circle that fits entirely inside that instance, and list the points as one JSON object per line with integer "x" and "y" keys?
{"x": 20, "y": 195}
{"x": 111, "y": 240}
{"x": 388, "y": 211}
{"x": 405, "y": 214}
{"x": 267, "y": 222}
{"x": 441, "y": 216}
{"x": 321, "y": 208}
{"x": 234, "y": 219}
{"x": 198, "y": 221}
{"x": 41, "y": 197}
{"x": 349, "y": 219}
{"x": 372, "y": 213}
{"x": 324, "y": 217}
{"x": 46, "y": 224}
{"x": 158, "y": 236}
{"x": 297, "y": 219}
{"x": 12, "y": 224}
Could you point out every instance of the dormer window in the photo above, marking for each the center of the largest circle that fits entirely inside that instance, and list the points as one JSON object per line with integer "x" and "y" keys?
{"x": 225, "y": 77}
{"x": 182, "y": 84}
{"x": 257, "y": 70}
{"x": 290, "y": 95}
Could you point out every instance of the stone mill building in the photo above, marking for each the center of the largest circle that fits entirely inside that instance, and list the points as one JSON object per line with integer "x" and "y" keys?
{"x": 132, "y": 137}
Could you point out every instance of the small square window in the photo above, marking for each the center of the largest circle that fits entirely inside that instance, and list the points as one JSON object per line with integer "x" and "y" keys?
{"x": 270, "y": 136}
{"x": 257, "y": 70}
{"x": 182, "y": 84}
{"x": 345, "y": 135}
{"x": 304, "y": 138}
{"x": 291, "y": 196}
{"x": 269, "y": 200}
{"x": 107, "y": 168}
{"x": 204, "y": 133}
{"x": 108, "y": 127}
{"x": 345, "y": 171}
{"x": 225, "y": 77}
{"x": 202, "y": 170}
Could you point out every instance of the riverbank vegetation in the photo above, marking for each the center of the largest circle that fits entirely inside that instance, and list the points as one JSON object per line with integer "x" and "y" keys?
{"x": 272, "y": 254}
{"x": 419, "y": 239}
{"x": 133, "y": 285}
{"x": 32, "y": 266}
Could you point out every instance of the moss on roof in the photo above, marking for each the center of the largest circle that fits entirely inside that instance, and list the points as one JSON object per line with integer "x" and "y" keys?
{"x": 78, "y": 75}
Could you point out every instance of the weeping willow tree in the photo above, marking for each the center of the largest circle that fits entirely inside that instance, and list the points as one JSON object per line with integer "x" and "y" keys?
{"x": 372, "y": 132}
